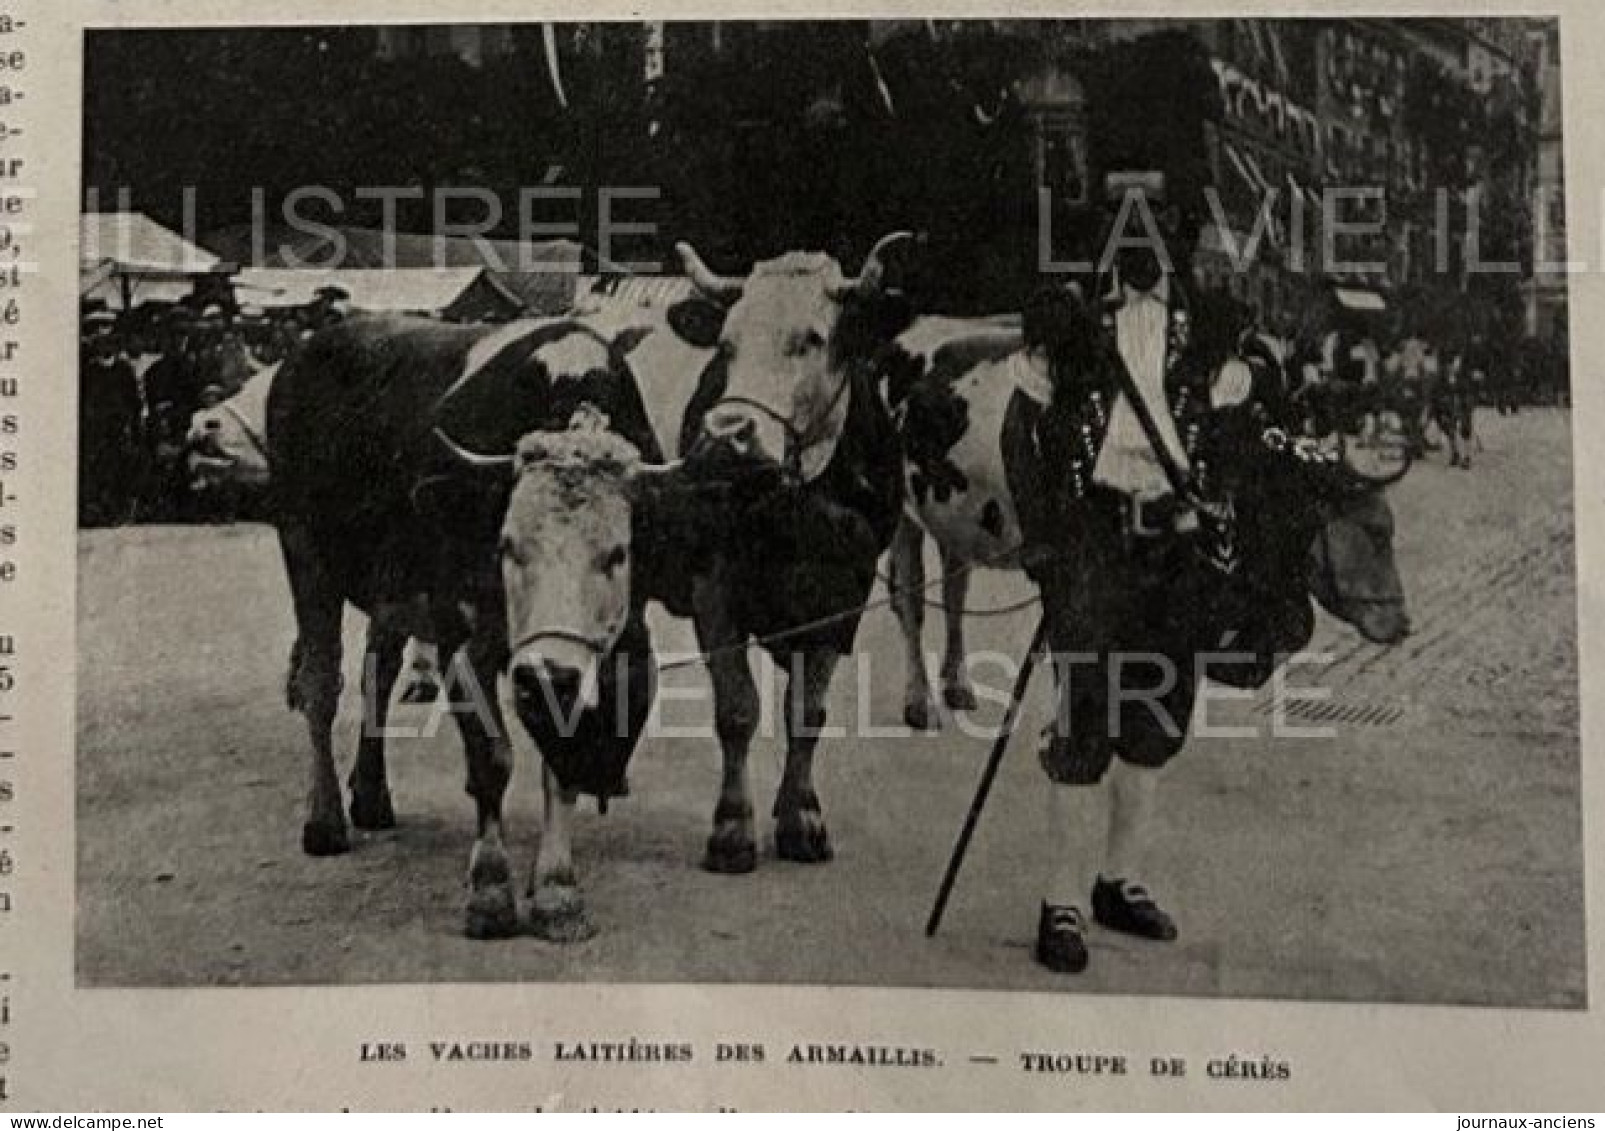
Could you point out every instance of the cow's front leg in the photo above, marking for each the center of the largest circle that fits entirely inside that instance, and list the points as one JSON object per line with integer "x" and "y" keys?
{"x": 492, "y": 905}
{"x": 956, "y": 690}
{"x": 313, "y": 687}
{"x": 557, "y": 908}
{"x": 800, "y": 832}
{"x": 370, "y": 792}
{"x": 733, "y": 846}
{"x": 908, "y": 598}
{"x": 315, "y": 680}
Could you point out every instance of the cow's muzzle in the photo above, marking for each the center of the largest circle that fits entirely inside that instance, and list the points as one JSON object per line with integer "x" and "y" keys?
{"x": 543, "y": 683}
{"x": 557, "y": 672}
{"x": 732, "y": 428}
{"x": 747, "y": 446}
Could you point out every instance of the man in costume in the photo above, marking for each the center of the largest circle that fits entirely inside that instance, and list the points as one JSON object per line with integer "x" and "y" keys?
{"x": 1138, "y": 535}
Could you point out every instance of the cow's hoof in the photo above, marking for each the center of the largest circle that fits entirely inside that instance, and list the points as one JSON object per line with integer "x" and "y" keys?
{"x": 557, "y": 915}
{"x": 492, "y": 911}
{"x": 372, "y": 811}
{"x": 731, "y": 852}
{"x": 803, "y": 838}
{"x": 324, "y": 838}
{"x": 921, "y": 715}
{"x": 959, "y": 697}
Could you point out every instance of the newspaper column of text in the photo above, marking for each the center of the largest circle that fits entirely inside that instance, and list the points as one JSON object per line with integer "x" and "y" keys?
{"x": 13, "y": 209}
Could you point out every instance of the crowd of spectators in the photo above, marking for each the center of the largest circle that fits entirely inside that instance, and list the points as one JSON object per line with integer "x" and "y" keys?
{"x": 143, "y": 373}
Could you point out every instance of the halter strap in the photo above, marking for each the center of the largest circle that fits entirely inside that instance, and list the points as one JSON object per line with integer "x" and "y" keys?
{"x": 798, "y": 440}
{"x": 573, "y": 636}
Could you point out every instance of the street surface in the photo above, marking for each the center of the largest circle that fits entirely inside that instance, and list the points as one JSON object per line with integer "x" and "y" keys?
{"x": 1429, "y": 851}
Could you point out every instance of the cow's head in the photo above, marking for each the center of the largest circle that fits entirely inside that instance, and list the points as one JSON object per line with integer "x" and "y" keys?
{"x": 565, "y": 562}
{"x": 225, "y": 443}
{"x": 1345, "y": 538}
{"x": 565, "y": 554}
{"x": 1351, "y": 567}
{"x": 787, "y": 338}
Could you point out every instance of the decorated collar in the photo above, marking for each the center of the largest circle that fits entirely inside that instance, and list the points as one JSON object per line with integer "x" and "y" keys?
{"x": 1179, "y": 331}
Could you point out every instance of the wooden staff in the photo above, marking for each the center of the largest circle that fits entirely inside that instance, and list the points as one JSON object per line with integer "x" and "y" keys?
{"x": 1000, "y": 745}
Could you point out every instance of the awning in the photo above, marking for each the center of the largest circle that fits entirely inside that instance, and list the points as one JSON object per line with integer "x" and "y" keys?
{"x": 1236, "y": 159}
{"x": 127, "y": 256}
{"x": 1259, "y": 177}
{"x": 1212, "y": 240}
{"x": 1353, "y": 298}
{"x": 1308, "y": 198}
{"x": 647, "y": 290}
{"x": 136, "y": 245}
{"x": 111, "y": 289}
{"x": 419, "y": 290}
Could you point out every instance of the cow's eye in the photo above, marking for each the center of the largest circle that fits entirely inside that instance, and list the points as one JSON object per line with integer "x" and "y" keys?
{"x": 614, "y": 559}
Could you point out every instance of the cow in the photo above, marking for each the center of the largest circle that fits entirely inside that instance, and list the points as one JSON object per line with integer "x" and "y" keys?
{"x": 994, "y": 419}
{"x": 409, "y": 457}
{"x": 789, "y": 416}
{"x": 954, "y": 383}
{"x": 481, "y": 488}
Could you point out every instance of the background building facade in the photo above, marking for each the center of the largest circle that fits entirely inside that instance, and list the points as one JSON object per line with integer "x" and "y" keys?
{"x": 1440, "y": 134}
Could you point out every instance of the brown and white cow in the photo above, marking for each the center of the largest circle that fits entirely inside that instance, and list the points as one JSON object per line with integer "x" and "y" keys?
{"x": 954, "y": 383}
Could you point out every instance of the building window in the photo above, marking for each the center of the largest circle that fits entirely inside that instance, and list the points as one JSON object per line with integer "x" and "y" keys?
{"x": 1061, "y": 159}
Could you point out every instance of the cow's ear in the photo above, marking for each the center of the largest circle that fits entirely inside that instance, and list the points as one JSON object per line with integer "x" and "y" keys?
{"x": 698, "y": 321}
{"x": 1058, "y": 319}
{"x": 626, "y": 340}
{"x": 463, "y": 506}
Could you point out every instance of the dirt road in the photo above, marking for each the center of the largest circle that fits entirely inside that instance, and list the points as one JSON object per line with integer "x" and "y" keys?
{"x": 1429, "y": 852}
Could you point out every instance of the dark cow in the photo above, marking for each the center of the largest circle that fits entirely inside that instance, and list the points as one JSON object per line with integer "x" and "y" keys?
{"x": 474, "y": 487}
{"x": 788, "y": 415}
{"x": 227, "y": 455}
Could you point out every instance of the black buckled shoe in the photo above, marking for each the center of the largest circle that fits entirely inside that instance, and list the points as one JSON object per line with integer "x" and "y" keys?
{"x": 1061, "y": 941}
{"x": 1129, "y": 909}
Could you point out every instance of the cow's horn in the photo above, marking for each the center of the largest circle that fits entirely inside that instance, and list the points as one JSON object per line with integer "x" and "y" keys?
{"x": 647, "y": 481}
{"x": 869, "y": 280}
{"x": 720, "y": 287}
{"x": 474, "y": 459}
{"x": 658, "y": 470}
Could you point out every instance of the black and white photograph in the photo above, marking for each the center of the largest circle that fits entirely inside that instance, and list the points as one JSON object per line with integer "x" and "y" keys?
{"x": 1076, "y": 506}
